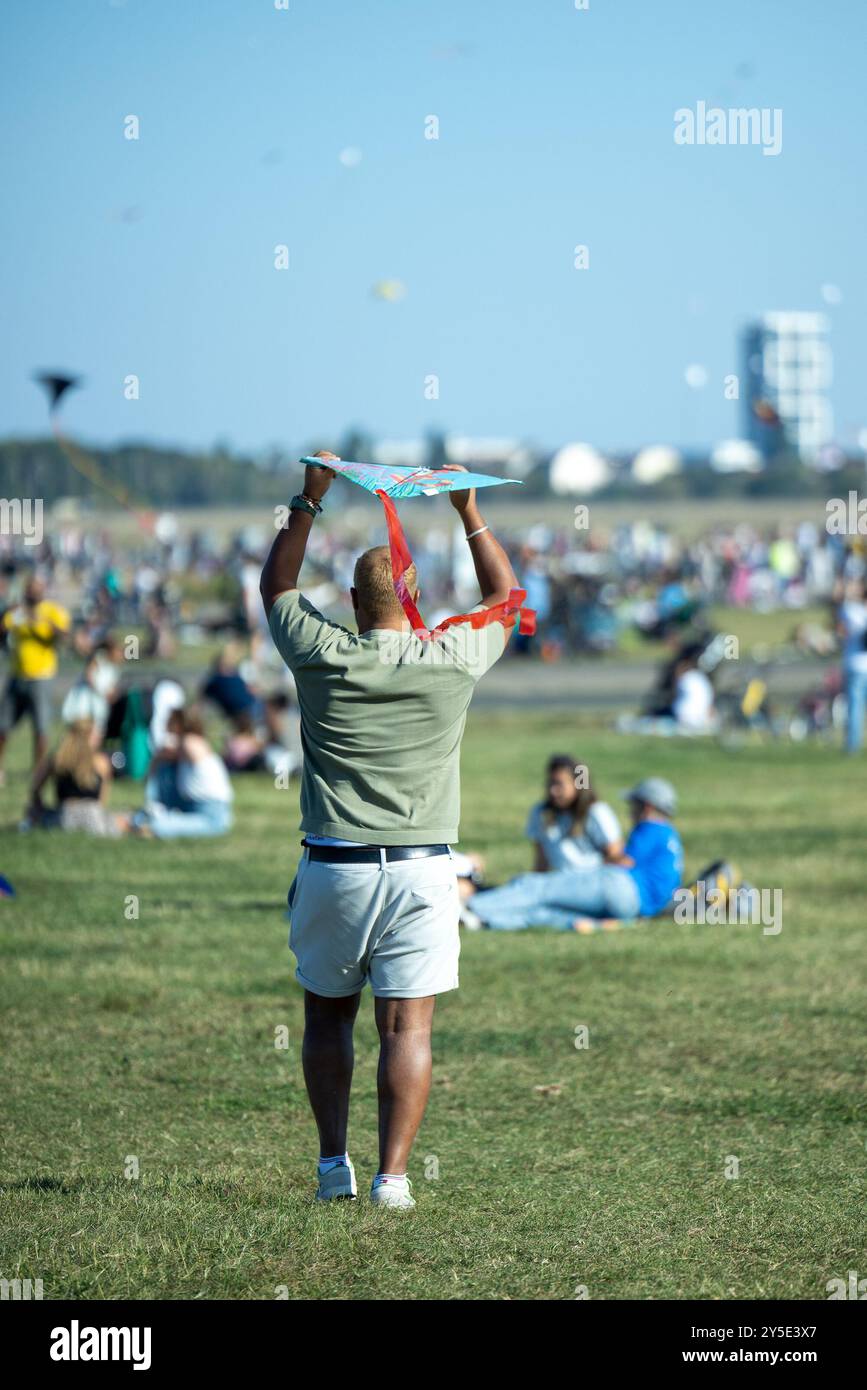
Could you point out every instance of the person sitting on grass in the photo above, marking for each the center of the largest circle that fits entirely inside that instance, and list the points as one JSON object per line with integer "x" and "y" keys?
{"x": 683, "y": 701}
{"x": 81, "y": 778}
{"x": 570, "y": 829}
{"x": 188, "y": 791}
{"x": 244, "y": 749}
{"x": 228, "y": 689}
{"x": 640, "y": 884}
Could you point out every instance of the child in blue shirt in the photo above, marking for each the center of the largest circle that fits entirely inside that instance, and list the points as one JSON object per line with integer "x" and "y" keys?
{"x": 656, "y": 852}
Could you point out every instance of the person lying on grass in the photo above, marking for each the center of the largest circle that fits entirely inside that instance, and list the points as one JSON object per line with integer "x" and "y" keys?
{"x": 640, "y": 884}
{"x": 570, "y": 829}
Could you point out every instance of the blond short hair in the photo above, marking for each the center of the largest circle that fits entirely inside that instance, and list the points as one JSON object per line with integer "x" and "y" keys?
{"x": 374, "y": 585}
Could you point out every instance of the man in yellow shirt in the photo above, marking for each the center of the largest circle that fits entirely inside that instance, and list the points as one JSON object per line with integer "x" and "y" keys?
{"x": 33, "y": 630}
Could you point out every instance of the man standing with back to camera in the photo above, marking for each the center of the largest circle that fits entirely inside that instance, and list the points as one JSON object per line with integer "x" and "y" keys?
{"x": 375, "y": 896}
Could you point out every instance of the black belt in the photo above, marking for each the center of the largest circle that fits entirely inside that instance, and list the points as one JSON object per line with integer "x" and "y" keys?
{"x": 335, "y": 854}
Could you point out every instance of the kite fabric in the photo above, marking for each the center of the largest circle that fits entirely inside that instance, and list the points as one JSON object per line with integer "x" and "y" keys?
{"x": 387, "y": 482}
{"x": 401, "y": 560}
{"x": 404, "y": 480}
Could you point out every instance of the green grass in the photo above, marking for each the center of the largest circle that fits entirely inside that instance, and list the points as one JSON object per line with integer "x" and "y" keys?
{"x": 155, "y": 1038}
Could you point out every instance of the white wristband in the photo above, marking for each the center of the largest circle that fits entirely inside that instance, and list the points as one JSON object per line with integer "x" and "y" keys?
{"x": 477, "y": 533}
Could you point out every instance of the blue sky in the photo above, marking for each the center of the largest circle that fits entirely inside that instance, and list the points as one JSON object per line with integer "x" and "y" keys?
{"x": 155, "y": 256}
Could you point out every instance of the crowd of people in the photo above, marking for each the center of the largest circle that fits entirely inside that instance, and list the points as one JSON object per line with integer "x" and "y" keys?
{"x": 646, "y": 579}
{"x": 114, "y": 722}
{"x": 179, "y": 590}
{"x": 588, "y": 587}
{"x": 586, "y": 871}
{"x": 187, "y": 790}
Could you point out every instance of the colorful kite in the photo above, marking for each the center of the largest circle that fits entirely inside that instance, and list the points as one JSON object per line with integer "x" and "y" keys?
{"x": 405, "y": 480}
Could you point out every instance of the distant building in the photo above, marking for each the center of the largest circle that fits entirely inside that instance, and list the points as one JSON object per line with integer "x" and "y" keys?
{"x": 578, "y": 470}
{"x": 503, "y": 456}
{"x": 489, "y": 455}
{"x": 396, "y": 452}
{"x": 787, "y": 375}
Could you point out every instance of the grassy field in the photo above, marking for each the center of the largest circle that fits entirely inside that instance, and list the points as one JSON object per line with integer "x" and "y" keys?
{"x": 541, "y": 1169}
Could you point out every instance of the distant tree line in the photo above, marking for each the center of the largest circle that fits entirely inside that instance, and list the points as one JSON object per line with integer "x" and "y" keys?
{"x": 154, "y": 477}
{"x": 163, "y": 477}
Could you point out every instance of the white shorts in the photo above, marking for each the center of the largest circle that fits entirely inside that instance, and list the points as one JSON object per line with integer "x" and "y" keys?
{"x": 393, "y": 923}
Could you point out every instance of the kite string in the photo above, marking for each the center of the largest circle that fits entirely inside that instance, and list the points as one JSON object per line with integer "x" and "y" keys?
{"x": 85, "y": 465}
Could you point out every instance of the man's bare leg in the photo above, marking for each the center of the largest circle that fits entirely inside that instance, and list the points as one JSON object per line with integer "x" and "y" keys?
{"x": 327, "y": 1055}
{"x": 404, "y": 1076}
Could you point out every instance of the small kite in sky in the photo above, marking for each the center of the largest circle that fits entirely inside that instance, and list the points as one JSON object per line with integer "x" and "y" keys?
{"x": 390, "y": 291}
{"x": 56, "y": 386}
{"x": 405, "y": 480}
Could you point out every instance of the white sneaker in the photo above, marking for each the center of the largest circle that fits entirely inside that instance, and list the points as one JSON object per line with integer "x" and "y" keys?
{"x": 338, "y": 1182}
{"x": 392, "y": 1192}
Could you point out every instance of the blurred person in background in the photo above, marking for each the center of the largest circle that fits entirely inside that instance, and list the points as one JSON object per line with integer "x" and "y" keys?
{"x": 244, "y": 749}
{"x": 188, "y": 792}
{"x": 84, "y": 699}
{"x": 159, "y": 639}
{"x": 228, "y": 689}
{"x": 110, "y": 658}
{"x": 167, "y": 696}
{"x": 34, "y": 630}
{"x": 692, "y": 708}
{"x": 93, "y": 694}
{"x": 852, "y": 630}
{"x": 682, "y": 702}
{"x": 80, "y": 776}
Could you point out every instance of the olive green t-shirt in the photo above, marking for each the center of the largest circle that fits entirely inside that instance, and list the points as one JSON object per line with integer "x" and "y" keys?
{"x": 382, "y": 716}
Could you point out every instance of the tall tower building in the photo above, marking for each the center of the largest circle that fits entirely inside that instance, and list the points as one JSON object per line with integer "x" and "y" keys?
{"x": 787, "y": 371}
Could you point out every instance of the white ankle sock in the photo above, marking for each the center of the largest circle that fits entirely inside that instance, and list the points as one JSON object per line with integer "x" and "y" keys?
{"x": 326, "y": 1164}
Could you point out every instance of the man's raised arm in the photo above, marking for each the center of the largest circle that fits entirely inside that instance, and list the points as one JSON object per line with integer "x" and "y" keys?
{"x": 287, "y": 553}
{"x": 493, "y": 569}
